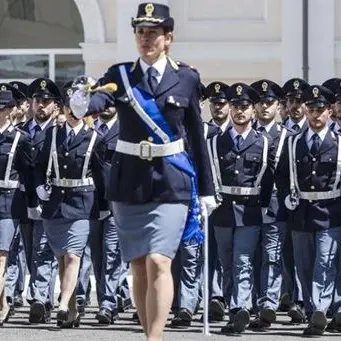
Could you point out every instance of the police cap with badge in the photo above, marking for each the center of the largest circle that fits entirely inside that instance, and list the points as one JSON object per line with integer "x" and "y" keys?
{"x": 268, "y": 91}
{"x": 217, "y": 92}
{"x": 22, "y": 87}
{"x": 67, "y": 90}
{"x": 317, "y": 96}
{"x": 295, "y": 87}
{"x": 334, "y": 85}
{"x": 153, "y": 15}
{"x": 17, "y": 94}
{"x": 44, "y": 88}
{"x": 6, "y": 99}
{"x": 242, "y": 94}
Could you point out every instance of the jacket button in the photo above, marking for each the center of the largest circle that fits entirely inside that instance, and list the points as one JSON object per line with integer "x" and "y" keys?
{"x": 233, "y": 202}
{"x": 313, "y": 172}
{"x": 312, "y": 187}
{"x": 236, "y": 172}
{"x": 33, "y": 148}
{"x": 62, "y": 191}
{"x": 238, "y": 156}
{"x": 66, "y": 154}
{"x": 314, "y": 159}
{"x": 150, "y": 139}
{"x": 65, "y": 166}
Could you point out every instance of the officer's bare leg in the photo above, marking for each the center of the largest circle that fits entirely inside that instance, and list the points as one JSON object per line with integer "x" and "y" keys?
{"x": 159, "y": 294}
{"x": 140, "y": 283}
{"x": 69, "y": 280}
{"x": 3, "y": 302}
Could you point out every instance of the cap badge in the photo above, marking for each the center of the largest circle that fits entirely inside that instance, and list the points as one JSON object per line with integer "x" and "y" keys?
{"x": 239, "y": 90}
{"x": 149, "y": 9}
{"x": 43, "y": 85}
{"x": 3, "y": 88}
{"x": 265, "y": 86}
{"x": 69, "y": 92}
{"x": 217, "y": 87}
{"x": 296, "y": 84}
{"x": 316, "y": 92}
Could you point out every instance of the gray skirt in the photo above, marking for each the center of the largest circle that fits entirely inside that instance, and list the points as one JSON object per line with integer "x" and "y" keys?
{"x": 8, "y": 228}
{"x": 149, "y": 228}
{"x": 67, "y": 236}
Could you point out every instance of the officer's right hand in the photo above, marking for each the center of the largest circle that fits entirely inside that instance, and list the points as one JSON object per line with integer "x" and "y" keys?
{"x": 42, "y": 193}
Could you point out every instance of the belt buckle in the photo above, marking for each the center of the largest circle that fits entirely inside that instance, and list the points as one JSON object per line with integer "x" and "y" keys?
{"x": 145, "y": 150}
{"x": 236, "y": 190}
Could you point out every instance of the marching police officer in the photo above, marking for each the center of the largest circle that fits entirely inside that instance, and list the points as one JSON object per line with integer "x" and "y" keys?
{"x": 334, "y": 85}
{"x": 109, "y": 269}
{"x": 274, "y": 220}
{"x": 67, "y": 170}
{"x": 292, "y": 292}
{"x": 244, "y": 166}
{"x": 11, "y": 168}
{"x": 157, "y": 209}
{"x": 314, "y": 161}
{"x": 40, "y": 259}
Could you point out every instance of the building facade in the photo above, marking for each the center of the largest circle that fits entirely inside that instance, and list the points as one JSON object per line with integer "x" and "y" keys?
{"x": 226, "y": 40}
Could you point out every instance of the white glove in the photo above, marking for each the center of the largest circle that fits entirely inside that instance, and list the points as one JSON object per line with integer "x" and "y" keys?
{"x": 42, "y": 193}
{"x": 208, "y": 204}
{"x": 34, "y": 213}
{"x": 103, "y": 215}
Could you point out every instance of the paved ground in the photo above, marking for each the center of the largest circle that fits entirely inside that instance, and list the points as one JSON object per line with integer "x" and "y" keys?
{"x": 18, "y": 329}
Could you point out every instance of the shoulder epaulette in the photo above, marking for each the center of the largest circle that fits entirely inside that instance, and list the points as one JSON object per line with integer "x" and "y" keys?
{"x": 182, "y": 64}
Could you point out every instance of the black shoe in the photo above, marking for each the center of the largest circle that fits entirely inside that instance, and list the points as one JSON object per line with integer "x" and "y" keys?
{"x": 229, "y": 329}
{"x": 241, "y": 320}
{"x": 37, "y": 312}
{"x": 87, "y": 302}
{"x": 64, "y": 322}
{"x": 267, "y": 316}
{"x": 216, "y": 310}
{"x": 319, "y": 320}
{"x": 106, "y": 317}
{"x": 62, "y": 317}
{"x": 259, "y": 325}
{"x": 297, "y": 314}
{"x": 312, "y": 331}
{"x": 135, "y": 318}
{"x": 182, "y": 319}
{"x": 11, "y": 310}
{"x": 18, "y": 301}
{"x": 123, "y": 304}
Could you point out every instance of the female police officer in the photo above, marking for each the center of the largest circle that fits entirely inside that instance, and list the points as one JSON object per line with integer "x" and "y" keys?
{"x": 66, "y": 171}
{"x": 10, "y": 208}
{"x": 161, "y": 162}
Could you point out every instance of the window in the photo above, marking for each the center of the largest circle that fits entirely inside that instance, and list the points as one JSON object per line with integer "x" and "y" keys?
{"x": 21, "y": 9}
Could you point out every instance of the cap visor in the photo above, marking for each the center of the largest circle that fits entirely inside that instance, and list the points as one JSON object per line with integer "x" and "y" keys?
{"x": 218, "y": 100}
{"x": 241, "y": 101}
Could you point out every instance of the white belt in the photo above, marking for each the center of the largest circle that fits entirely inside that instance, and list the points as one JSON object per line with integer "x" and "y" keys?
{"x": 73, "y": 182}
{"x": 319, "y": 195}
{"x": 9, "y": 184}
{"x": 236, "y": 190}
{"x": 147, "y": 150}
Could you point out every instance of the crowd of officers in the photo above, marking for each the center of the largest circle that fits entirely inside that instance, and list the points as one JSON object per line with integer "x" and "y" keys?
{"x": 274, "y": 240}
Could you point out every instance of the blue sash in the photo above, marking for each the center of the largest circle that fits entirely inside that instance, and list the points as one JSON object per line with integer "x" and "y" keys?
{"x": 192, "y": 232}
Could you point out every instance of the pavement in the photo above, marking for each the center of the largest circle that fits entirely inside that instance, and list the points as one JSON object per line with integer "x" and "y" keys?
{"x": 19, "y": 329}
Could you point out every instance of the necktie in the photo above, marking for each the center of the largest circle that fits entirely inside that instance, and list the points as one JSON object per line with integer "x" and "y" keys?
{"x": 316, "y": 144}
{"x": 104, "y": 129}
{"x": 71, "y": 137}
{"x": 36, "y": 130}
{"x": 296, "y": 127}
{"x": 152, "y": 78}
{"x": 239, "y": 141}
{"x": 261, "y": 129}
